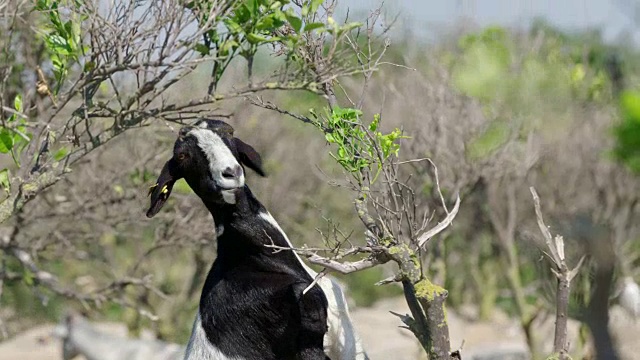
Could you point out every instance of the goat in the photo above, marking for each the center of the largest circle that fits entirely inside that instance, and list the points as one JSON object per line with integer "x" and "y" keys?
{"x": 252, "y": 304}
{"x": 79, "y": 337}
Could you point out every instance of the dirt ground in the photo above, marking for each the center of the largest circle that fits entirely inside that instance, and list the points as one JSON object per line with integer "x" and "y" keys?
{"x": 498, "y": 339}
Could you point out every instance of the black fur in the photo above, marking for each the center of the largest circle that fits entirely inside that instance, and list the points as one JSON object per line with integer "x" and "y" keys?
{"x": 252, "y": 304}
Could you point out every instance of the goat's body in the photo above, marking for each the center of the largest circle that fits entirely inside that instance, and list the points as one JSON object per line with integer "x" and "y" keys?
{"x": 252, "y": 288}
{"x": 252, "y": 306}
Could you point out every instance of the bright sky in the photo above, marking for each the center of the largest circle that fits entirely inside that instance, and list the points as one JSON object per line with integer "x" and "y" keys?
{"x": 615, "y": 17}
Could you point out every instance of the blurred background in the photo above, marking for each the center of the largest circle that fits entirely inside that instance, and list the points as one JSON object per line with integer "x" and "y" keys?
{"x": 501, "y": 95}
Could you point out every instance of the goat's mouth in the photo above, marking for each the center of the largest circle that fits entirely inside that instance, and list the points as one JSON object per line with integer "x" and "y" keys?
{"x": 216, "y": 186}
{"x": 228, "y": 192}
{"x": 227, "y": 188}
{"x": 213, "y": 191}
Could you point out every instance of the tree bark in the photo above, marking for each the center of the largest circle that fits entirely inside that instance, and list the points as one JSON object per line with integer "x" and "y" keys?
{"x": 560, "y": 345}
{"x": 432, "y": 298}
{"x": 430, "y": 321}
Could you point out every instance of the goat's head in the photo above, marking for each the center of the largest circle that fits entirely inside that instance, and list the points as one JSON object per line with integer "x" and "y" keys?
{"x": 208, "y": 157}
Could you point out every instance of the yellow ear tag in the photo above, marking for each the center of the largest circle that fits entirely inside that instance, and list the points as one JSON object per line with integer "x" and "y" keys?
{"x": 164, "y": 189}
{"x": 151, "y": 188}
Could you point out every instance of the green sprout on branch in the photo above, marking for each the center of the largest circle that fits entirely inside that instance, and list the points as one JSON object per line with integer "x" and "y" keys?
{"x": 360, "y": 147}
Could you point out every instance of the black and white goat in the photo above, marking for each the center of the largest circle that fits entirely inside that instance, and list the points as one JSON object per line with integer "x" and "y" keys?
{"x": 252, "y": 305}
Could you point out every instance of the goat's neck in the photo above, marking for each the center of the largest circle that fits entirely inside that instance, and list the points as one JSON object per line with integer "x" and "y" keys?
{"x": 246, "y": 227}
{"x": 246, "y": 208}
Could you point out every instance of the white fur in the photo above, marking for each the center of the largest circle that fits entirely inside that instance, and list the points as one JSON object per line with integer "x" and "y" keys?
{"x": 229, "y": 196}
{"x": 199, "y": 347}
{"x": 341, "y": 341}
{"x": 220, "y": 158}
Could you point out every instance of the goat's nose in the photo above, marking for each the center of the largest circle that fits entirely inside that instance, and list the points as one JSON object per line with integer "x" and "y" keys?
{"x": 232, "y": 173}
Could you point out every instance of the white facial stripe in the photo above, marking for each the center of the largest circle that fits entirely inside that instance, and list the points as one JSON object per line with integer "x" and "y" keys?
{"x": 219, "y": 157}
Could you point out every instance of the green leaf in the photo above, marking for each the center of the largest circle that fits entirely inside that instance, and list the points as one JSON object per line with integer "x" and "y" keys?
{"x": 6, "y": 140}
{"x": 227, "y": 47}
{"x": 42, "y": 5}
{"x": 17, "y": 103}
{"x": 266, "y": 23}
{"x": 253, "y": 7}
{"x": 374, "y": 124}
{"x": 54, "y": 17}
{"x": 254, "y": 38}
{"x": 274, "y": 21}
{"x": 76, "y": 39}
{"x": 242, "y": 15}
{"x": 57, "y": 62}
{"x": 233, "y": 26}
{"x": 346, "y": 113}
{"x": 59, "y": 45}
{"x": 279, "y": 17}
{"x": 5, "y": 183}
{"x": 275, "y": 5}
{"x": 329, "y": 137}
{"x": 68, "y": 29}
{"x": 202, "y": 49}
{"x": 294, "y": 21}
{"x": 315, "y": 4}
{"x": 313, "y": 26}
{"x": 60, "y": 154}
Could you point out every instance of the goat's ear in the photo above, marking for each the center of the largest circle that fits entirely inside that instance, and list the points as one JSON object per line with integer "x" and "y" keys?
{"x": 162, "y": 189}
{"x": 249, "y": 156}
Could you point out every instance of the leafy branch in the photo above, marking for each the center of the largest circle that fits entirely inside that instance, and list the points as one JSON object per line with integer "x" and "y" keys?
{"x": 360, "y": 147}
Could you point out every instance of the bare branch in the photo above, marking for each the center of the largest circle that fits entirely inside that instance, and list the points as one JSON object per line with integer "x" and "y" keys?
{"x": 545, "y": 230}
{"x": 319, "y": 276}
{"x": 344, "y": 267}
{"x": 422, "y": 240}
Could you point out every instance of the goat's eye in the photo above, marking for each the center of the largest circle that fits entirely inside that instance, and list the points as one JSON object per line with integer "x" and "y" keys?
{"x": 182, "y": 156}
